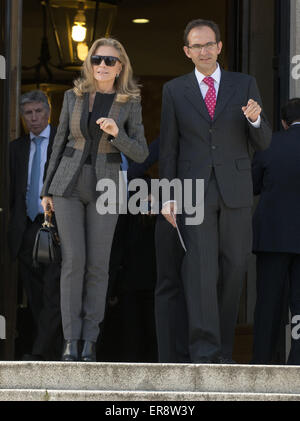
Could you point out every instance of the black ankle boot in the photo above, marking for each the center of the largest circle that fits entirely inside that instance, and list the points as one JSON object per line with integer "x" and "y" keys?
{"x": 70, "y": 351}
{"x": 88, "y": 351}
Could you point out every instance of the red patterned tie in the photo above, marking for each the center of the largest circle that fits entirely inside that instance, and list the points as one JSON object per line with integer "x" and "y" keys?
{"x": 210, "y": 98}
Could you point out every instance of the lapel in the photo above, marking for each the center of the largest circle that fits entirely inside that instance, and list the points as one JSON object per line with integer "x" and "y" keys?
{"x": 49, "y": 149}
{"x": 193, "y": 94}
{"x": 85, "y": 117}
{"x": 226, "y": 91}
{"x": 81, "y": 132}
{"x": 24, "y": 161}
{"x": 115, "y": 112}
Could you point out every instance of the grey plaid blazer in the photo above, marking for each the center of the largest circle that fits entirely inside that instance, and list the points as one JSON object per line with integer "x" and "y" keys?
{"x": 66, "y": 158}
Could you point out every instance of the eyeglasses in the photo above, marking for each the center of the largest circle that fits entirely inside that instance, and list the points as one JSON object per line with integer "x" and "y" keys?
{"x": 108, "y": 60}
{"x": 198, "y": 47}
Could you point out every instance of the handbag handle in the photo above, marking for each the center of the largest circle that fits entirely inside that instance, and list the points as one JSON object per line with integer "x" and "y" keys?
{"x": 48, "y": 217}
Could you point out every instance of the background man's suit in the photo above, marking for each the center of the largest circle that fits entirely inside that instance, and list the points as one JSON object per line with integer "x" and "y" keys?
{"x": 195, "y": 147}
{"x": 276, "y": 240}
{"x": 41, "y": 285}
{"x": 171, "y": 323}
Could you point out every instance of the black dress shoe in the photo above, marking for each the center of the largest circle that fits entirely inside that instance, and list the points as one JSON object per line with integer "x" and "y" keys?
{"x": 88, "y": 353}
{"x": 70, "y": 351}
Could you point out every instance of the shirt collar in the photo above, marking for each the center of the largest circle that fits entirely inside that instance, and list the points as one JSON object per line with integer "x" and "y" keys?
{"x": 45, "y": 133}
{"x": 216, "y": 75}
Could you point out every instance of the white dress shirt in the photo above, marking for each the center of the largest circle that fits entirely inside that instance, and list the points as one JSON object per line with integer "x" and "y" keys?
{"x": 44, "y": 146}
{"x": 203, "y": 86}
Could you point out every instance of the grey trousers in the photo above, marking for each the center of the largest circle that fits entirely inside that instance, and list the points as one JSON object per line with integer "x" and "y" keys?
{"x": 213, "y": 271}
{"x": 86, "y": 239}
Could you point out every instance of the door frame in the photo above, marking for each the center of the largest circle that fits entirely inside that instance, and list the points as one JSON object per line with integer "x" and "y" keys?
{"x": 281, "y": 61}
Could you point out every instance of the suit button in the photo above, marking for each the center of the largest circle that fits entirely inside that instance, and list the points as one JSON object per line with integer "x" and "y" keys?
{"x": 210, "y": 130}
{"x": 214, "y": 147}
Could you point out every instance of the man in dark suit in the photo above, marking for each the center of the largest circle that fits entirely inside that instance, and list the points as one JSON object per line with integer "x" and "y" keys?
{"x": 209, "y": 118}
{"x": 28, "y": 159}
{"x": 170, "y": 308}
{"x": 171, "y": 338}
{"x": 276, "y": 236}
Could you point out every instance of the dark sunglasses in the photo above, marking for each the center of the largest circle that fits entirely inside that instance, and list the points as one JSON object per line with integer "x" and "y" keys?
{"x": 108, "y": 60}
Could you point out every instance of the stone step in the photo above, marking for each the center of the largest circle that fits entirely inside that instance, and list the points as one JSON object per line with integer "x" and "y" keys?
{"x": 119, "y": 396}
{"x": 152, "y": 378}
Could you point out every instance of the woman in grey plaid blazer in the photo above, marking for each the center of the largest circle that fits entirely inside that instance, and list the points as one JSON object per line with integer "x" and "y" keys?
{"x": 100, "y": 118}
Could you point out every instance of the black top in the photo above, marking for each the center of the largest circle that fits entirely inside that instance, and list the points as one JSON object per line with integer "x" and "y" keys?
{"x": 101, "y": 108}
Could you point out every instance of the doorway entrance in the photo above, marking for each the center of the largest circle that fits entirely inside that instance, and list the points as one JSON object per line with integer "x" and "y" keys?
{"x": 155, "y": 49}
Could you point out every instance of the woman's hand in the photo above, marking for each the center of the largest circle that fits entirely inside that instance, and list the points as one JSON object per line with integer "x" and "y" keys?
{"x": 108, "y": 125}
{"x": 47, "y": 200}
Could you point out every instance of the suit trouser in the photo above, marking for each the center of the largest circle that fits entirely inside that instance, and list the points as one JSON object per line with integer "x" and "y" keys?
{"x": 170, "y": 307}
{"x": 86, "y": 239}
{"x": 274, "y": 272}
{"x": 137, "y": 336}
{"x": 42, "y": 290}
{"x": 213, "y": 271}
{"x": 32, "y": 278}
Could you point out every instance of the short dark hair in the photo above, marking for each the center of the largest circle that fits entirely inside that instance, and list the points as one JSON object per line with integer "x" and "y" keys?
{"x": 34, "y": 96}
{"x": 200, "y": 23}
{"x": 291, "y": 111}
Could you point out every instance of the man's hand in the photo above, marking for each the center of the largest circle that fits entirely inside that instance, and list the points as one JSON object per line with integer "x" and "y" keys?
{"x": 47, "y": 200}
{"x": 167, "y": 210}
{"x": 108, "y": 125}
{"x": 252, "y": 110}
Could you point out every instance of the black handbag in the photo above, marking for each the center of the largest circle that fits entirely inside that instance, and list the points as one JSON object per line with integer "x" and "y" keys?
{"x": 47, "y": 244}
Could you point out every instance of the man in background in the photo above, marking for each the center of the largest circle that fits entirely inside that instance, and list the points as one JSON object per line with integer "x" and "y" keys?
{"x": 28, "y": 160}
{"x": 276, "y": 237}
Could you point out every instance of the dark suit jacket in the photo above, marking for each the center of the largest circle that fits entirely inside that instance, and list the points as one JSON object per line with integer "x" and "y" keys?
{"x": 276, "y": 177}
{"x": 19, "y": 158}
{"x": 192, "y": 144}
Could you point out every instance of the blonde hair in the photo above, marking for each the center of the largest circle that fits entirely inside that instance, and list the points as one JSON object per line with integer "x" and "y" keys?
{"x": 125, "y": 85}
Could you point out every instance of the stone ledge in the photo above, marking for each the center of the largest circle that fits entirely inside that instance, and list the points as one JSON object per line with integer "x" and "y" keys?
{"x": 150, "y": 377}
{"x": 115, "y": 396}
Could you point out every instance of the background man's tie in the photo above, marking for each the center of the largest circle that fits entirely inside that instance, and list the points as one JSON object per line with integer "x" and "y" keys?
{"x": 33, "y": 194}
{"x": 210, "y": 97}
{"x": 124, "y": 163}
